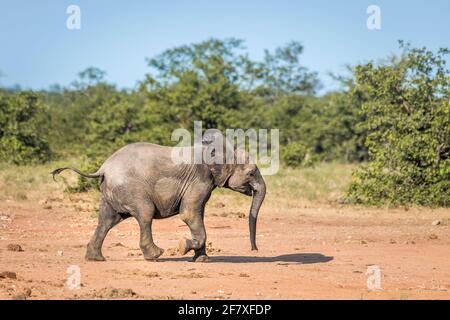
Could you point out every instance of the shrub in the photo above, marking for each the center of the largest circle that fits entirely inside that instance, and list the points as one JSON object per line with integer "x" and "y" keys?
{"x": 296, "y": 155}
{"x": 85, "y": 184}
{"x": 408, "y": 125}
{"x": 22, "y": 138}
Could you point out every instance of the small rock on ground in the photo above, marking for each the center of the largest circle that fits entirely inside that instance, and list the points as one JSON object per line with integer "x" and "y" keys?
{"x": 14, "y": 247}
{"x": 8, "y": 275}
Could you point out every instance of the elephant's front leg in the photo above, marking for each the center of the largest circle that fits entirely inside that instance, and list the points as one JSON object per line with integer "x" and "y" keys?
{"x": 194, "y": 220}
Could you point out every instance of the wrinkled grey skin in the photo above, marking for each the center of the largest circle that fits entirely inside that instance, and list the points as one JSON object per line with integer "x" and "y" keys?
{"x": 141, "y": 181}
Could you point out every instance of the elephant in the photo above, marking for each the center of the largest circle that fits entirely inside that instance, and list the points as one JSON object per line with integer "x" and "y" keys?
{"x": 141, "y": 180}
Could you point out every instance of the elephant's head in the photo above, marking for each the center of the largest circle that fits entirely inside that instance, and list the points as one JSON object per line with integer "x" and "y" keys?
{"x": 247, "y": 179}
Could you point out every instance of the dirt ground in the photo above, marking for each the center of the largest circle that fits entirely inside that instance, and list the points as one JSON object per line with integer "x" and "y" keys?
{"x": 305, "y": 252}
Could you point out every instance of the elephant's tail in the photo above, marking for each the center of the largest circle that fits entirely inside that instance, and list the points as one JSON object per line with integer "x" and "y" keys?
{"x": 97, "y": 174}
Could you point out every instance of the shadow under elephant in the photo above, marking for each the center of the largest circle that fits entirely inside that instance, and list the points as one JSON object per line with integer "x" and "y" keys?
{"x": 294, "y": 258}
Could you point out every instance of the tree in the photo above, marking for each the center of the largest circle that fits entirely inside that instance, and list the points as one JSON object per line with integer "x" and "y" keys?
{"x": 22, "y": 133}
{"x": 200, "y": 82}
{"x": 215, "y": 82}
{"x": 70, "y": 109}
{"x": 282, "y": 72}
{"x": 408, "y": 124}
{"x": 89, "y": 77}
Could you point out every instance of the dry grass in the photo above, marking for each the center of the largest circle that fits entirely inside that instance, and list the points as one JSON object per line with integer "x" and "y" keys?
{"x": 323, "y": 184}
{"x": 34, "y": 182}
{"x": 20, "y": 182}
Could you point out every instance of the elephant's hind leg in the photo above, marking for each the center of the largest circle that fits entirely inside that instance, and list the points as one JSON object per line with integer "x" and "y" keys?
{"x": 144, "y": 216}
{"x": 107, "y": 219}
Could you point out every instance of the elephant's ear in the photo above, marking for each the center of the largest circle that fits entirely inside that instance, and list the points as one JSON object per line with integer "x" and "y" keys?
{"x": 221, "y": 173}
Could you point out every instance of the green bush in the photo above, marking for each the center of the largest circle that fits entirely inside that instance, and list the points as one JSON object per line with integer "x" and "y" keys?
{"x": 85, "y": 184}
{"x": 22, "y": 129}
{"x": 296, "y": 155}
{"x": 408, "y": 125}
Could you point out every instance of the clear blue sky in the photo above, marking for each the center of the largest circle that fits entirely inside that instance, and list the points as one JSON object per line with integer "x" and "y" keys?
{"x": 37, "y": 50}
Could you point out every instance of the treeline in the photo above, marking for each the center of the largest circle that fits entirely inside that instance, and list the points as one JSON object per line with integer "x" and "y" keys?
{"x": 394, "y": 114}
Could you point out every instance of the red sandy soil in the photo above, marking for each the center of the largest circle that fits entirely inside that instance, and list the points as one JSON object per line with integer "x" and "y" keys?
{"x": 310, "y": 252}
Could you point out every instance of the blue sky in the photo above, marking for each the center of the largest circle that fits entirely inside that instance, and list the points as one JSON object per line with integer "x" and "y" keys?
{"x": 37, "y": 50}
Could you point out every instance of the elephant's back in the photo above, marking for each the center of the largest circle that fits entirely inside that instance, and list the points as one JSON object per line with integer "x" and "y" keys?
{"x": 131, "y": 173}
{"x": 136, "y": 160}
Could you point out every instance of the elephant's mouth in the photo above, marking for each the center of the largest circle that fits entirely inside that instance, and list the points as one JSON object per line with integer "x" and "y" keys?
{"x": 247, "y": 190}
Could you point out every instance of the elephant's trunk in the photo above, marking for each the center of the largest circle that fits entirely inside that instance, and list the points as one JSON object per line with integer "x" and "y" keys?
{"x": 259, "y": 192}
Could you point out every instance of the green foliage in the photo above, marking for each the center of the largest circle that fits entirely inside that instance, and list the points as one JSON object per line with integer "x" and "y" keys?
{"x": 22, "y": 129}
{"x": 295, "y": 155}
{"x": 215, "y": 82}
{"x": 90, "y": 76}
{"x": 326, "y": 126}
{"x": 85, "y": 184}
{"x": 408, "y": 124}
{"x": 70, "y": 111}
{"x": 282, "y": 72}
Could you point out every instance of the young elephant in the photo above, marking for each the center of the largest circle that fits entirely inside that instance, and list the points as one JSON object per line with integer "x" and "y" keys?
{"x": 141, "y": 180}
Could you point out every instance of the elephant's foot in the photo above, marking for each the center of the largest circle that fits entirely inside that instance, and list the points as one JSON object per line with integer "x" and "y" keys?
{"x": 200, "y": 255}
{"x": 202, "y": 258}
{"x": 184, "y": 246}
{"x": 152, "y": 252}
{"x": 94, "y": 254}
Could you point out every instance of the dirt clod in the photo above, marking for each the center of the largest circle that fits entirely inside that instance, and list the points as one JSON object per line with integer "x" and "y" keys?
{"x": 210, "y": 249}
{"x": 117, "y": 244}
{"x": 114, "y": 293}
{"x": 152, "y": 274}
{"x": 27, "y": 292}
{"x": 220, "y": 205}
{"x": 193, "y": 275}
{"x": 8, "y": 275}
{"x": 171, "y": 252}
{"x": 234, "y": 214}
{"x": 14, "y": 247}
